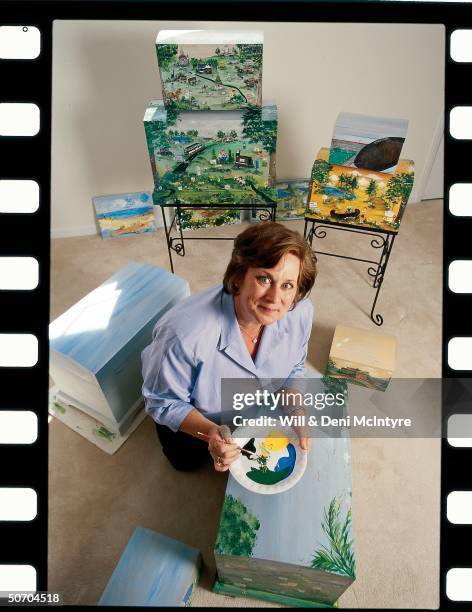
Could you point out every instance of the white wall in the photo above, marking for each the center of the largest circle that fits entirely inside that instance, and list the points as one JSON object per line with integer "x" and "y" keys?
{"x": 104, "y": 73}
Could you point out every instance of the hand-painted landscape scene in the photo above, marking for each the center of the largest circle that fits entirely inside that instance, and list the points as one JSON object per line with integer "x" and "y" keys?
{"x": 357, "y": 196}
{"x": 273, "y": 459}
{"x": 211, "y": 157}
{"x": 372, "y": 143}
{"x": 210, "y": 75}
{"x": 125, "y": 214}
{"x": 374, "y": 378}
{"x": 258, "y": 547}
{"x": 195, "y": 218}
{"x": 362, "y": 357}
{"x": 291, "y": 199}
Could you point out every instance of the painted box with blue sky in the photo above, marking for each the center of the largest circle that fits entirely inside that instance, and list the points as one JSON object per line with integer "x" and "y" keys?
{"x": 125, "y": 214}
{"x": 371, "y": 143}
{"x": 297, "y": 544}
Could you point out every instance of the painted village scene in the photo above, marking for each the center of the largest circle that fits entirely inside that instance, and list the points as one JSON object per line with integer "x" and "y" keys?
{"x": 209, "y": 76}
{"x": 210, "y": 158}
{"x": 125, "y": 214}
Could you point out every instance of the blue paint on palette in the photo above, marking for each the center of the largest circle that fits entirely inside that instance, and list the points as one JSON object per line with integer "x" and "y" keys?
{"x": 287, "y": 463}
{"x": 154, "y": 570}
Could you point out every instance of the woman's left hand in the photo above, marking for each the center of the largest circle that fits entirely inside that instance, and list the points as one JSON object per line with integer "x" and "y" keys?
{"x": 303, "y": 432}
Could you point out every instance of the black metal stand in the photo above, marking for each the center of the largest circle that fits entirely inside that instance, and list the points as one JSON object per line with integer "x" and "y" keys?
{"x": 382, "y": 239}
{"x": 263, "y": 212}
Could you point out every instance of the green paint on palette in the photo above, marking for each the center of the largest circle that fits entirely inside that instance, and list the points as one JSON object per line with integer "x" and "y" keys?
{"x": 267, "y": 477}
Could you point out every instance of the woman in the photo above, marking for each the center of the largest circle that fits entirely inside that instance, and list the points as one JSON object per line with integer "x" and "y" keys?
{"x": 255, "y": 325}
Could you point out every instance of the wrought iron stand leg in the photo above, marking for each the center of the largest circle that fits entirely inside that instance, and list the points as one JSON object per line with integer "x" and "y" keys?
{"x": 381, "y": 262}
{"x": 378, "y": 319}
{"x": 168, "y": 241}
{"x": 181, "y": 249}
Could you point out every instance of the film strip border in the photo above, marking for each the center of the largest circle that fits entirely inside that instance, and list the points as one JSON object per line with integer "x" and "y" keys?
{"x": 25, "y": 127}
{"x": 456, "y": 482}
{"x": 25, "y": 121}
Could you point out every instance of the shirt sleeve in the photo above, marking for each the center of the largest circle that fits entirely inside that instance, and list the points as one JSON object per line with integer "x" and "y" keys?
{"x": 298, "y": 370}
{"x": 169, "y": 374}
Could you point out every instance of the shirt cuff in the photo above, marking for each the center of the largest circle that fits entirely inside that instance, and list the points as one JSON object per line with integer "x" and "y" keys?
{"x": 171, "y": 415}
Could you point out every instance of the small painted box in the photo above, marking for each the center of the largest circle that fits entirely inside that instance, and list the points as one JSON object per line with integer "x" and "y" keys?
{"x": 355, "y": 196}
{"x": 295, "y": 547}
{"x": 154, "y": 571}
{"x": 95, "y": 346}
{"x": 362, "y": 357}
{"x": 210, "y": 69}
{"x": 210, "y": 158}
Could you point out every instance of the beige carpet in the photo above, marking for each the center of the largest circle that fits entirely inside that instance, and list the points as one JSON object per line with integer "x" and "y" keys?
{"x": 97, "y": 500}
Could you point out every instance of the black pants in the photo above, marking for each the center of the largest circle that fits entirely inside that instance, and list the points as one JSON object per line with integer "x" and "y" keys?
{"x": 185, "y": 452}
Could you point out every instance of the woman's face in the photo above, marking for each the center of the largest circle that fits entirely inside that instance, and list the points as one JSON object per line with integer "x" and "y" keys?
{"x": 266, "y": 294}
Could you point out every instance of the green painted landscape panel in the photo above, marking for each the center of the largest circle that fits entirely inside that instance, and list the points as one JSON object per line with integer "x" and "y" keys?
{"x": 210, "y": 69}
{"x": 211, "y": 158}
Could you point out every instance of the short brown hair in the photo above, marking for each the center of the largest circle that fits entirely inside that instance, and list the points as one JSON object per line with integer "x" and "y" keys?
{"x": 261, "y": 246}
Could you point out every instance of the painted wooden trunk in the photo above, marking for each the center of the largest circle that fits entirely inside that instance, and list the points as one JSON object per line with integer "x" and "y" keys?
{"x": 95, "y": 346}
{"x": 210, "y": 69}
{"x": 154, "y": 570}
{"x": 212, "y": 158}
{"x": 355, "y": 196}
{"x": 362, "y": 357}
{"x": 294, "y": 547}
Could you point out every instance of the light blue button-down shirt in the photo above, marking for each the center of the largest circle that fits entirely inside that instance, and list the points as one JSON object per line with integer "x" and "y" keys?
{"x": 198, "y": 342}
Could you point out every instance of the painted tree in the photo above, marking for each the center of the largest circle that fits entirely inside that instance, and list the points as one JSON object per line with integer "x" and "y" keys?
{"x": 398, "y": 186}
{"x": 251, "y": 52}
{"x": 166, "y": 54}
{"x": 258, "y": 131}
{"x": 348, "y": 182}
{"x": 220, "y": 134}
{"x": 372, "y": 188}
{"x": 320, "y": 172}
{"x": 338, "y": 557}
{"x": 233, "y": 135}
{"x": 238, "y": 529}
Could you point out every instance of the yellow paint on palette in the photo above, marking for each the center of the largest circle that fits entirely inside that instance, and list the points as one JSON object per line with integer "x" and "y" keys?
{"x": 275, "y": 441}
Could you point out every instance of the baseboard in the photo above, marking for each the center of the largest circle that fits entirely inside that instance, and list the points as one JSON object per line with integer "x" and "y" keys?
{"x": 73, "y": 230}
{"x": 414, "y": 197}
{"x": 88, "y": 230}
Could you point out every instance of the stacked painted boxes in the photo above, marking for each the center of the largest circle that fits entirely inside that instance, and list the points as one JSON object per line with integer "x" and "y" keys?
{"x": 211, "y": 139}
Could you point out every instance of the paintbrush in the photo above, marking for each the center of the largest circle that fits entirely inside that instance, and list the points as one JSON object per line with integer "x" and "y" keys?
{"x": 243, "y": 450}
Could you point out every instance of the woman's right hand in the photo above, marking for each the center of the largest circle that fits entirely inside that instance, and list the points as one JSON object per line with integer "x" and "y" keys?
{"x": 222, "y": 448}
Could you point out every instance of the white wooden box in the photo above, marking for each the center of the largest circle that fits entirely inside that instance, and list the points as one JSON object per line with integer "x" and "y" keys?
{"x": 95, "y": 346}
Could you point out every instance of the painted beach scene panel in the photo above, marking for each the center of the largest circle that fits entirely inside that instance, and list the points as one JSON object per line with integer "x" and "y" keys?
{"x": 210, "y": 158}
{"x": 372, "y": 143}
{"x": 210, "y": 70}
{"x": 125, "y": 214}
{"x": 357, "y": 196}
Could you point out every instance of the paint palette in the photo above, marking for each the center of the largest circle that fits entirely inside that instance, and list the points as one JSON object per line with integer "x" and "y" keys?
{"x": 277, "y": 462}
